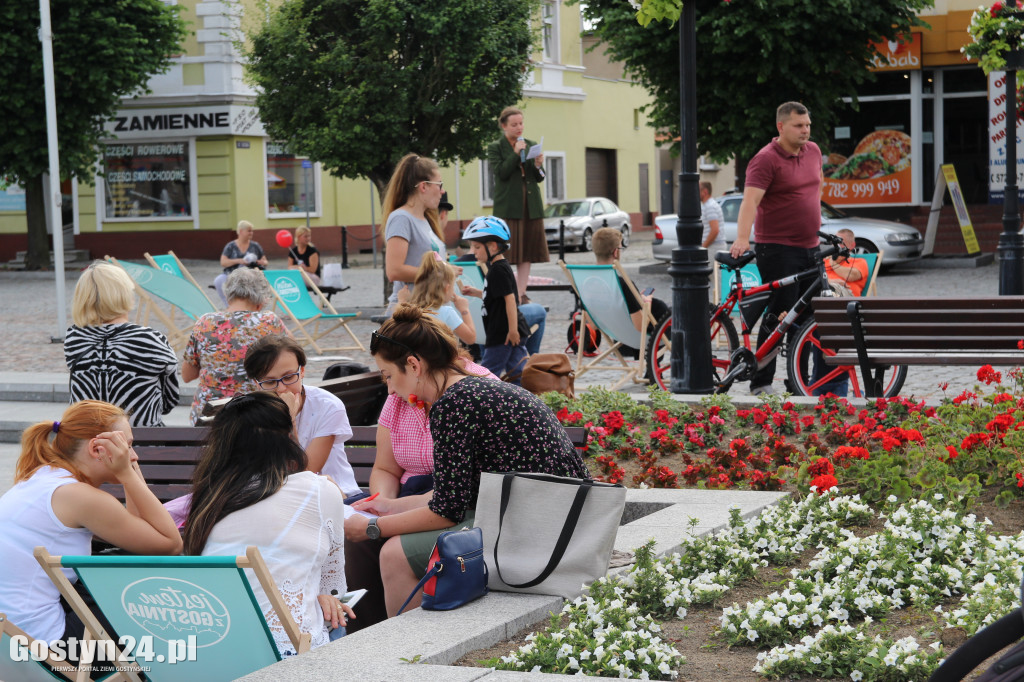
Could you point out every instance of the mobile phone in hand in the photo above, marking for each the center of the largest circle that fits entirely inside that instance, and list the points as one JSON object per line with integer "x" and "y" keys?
{"x": 647, "y": 292}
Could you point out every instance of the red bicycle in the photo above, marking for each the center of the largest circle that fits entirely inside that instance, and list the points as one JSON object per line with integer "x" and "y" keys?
{"x": 732, "y": 362}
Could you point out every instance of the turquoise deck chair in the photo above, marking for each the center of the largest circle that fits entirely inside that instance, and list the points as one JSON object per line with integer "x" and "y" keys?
{"x": 198, "y": 611}
{"x": 172, "y": 265}
{"x": 295, "y": 292}
{"x": 604, "y": 305}
{"x": 153, "y": 283}
{"x": 874, "y": 261}
{"x": 473, "y": 274}
{"x": 28, "y": 670}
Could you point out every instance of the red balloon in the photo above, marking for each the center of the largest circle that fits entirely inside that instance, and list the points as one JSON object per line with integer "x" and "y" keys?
{"x": 284, "y": 238}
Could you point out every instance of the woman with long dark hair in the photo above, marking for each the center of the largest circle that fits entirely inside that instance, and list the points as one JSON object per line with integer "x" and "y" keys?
{"x": 250, "y": 487}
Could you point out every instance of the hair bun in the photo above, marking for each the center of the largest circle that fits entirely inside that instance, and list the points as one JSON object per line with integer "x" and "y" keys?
{"x": 407, "y": 312}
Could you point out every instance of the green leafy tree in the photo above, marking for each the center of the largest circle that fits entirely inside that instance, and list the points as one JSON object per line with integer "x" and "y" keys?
{"x": 103, "y": 50}
{"x": 752, "y": 55}
{"x": 357, "y": 84}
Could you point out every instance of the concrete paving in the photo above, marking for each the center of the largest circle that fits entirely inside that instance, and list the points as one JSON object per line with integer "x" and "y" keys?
{"x": 435, "y": 639}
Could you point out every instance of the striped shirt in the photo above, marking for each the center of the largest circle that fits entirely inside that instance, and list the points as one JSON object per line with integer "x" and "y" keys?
{"x": 127, "y": 365}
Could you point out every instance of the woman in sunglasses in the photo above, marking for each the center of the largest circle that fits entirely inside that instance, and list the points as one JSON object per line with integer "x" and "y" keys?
{"x": 411, "y": 223}
{"x": 277, "y": 364}
{"x": 477, "y": 425}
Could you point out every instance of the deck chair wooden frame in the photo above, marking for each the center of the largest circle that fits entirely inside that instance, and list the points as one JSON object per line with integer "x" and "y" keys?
{"x": 308, "y": 297}
{"x": 31, "y": 670}
{"x": 116, "y": 578}
{"x": 182, "y": 271}
{"x": 177, "y": 333}
{"x": 632, "y": 370}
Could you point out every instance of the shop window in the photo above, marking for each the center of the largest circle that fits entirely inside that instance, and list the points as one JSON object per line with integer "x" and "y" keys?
{"x": 291, "y": 182}
{"x": 147, "y": 180}
{"x": 554, "y": 180}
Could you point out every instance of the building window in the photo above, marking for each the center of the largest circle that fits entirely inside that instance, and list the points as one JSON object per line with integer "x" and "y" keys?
{"x": 549, "y": 29}
{"x": 554, "y": 176}
{"x": 147, "y": 180}
{"x": 292, "y": 182}
{"x": 486, "y": 184}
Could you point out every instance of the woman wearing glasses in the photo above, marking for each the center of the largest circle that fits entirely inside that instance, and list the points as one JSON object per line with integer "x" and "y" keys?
{"x": 477, "y": 425}
{"x": 278, "y": 364}
{"x": 411, "y": 223}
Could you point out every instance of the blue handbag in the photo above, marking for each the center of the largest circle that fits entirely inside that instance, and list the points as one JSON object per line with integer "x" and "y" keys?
{"x": 456, "y": 572}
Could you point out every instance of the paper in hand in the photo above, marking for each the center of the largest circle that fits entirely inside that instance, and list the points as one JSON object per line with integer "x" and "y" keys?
{"x": 536, "y": 150}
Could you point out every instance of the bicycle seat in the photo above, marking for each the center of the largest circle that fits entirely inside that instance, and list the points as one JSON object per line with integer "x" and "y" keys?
{"x": 725, "y": 258}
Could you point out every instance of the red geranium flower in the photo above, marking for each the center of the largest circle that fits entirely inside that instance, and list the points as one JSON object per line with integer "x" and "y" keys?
{"x": 824, "y": 482}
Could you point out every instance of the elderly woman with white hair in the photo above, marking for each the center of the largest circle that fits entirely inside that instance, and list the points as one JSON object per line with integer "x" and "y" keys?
{"x": 110, "y": 358}
{"x": 215, "y": 353}
{"x": 243, "y": 250}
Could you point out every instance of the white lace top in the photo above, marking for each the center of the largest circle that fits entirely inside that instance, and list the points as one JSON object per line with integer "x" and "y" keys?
{"x": 300, "y": 531}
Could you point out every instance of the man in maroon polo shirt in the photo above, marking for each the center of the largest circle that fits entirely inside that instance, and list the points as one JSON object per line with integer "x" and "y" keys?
{"x": 783, "y": 193}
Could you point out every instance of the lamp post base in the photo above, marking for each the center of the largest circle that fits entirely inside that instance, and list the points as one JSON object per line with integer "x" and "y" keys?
{"x": 1010, "y": 254}
{"x": 691, "y": 332}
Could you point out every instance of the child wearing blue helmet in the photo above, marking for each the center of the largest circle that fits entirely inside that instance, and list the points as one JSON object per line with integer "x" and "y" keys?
{"x": 504, "y": 349}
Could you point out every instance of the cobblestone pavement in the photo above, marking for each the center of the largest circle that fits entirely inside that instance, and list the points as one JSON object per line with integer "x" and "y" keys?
{"x": 28, "y": 302}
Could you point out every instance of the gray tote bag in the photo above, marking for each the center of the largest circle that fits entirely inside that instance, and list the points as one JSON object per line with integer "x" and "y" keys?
{"x": 547, "y": 534}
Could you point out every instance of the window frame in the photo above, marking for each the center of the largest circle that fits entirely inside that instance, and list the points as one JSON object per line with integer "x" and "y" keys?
{"x": 550, "y": 194}
{"x": 193, "y": 189}
{"x": 549, "y": 27}
{"x": 317, "y": 211}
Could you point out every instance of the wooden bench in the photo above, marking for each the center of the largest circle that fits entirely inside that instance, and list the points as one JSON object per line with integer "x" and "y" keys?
{"x": 168, "y": 456}
{"x": 877, "y": 333}
{"x": 363, "y": 396}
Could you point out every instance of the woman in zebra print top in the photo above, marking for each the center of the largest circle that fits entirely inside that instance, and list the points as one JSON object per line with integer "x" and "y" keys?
{"x": 112, "y": 359}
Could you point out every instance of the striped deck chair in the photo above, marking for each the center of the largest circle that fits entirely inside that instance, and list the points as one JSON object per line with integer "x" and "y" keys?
{"x": 173, "y": 265}
{"x": 604, "y": 306}
{"x": 188, "y": 618}
{"x": 297, "y": 297}
{"x": 152, "y": 284}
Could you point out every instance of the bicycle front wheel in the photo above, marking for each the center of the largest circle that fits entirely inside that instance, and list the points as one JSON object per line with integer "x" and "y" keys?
{"x": 803, "y": 357}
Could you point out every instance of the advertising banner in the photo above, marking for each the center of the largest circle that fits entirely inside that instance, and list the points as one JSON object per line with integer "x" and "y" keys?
{"x": 997, "y": 140}
{"x": 878, "y": 171}
{"x": 903, "y": 54}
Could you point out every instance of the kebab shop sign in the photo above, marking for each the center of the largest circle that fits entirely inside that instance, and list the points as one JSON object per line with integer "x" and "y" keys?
{"x": 877, "y": 172}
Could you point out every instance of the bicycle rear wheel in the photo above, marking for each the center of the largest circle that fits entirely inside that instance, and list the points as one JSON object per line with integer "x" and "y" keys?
{"x": 724, "y": 341}
{"x": 800, "y": 367}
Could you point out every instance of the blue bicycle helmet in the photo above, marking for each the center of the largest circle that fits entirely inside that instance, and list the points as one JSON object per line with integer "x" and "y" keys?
{"x": 488, "y": 228}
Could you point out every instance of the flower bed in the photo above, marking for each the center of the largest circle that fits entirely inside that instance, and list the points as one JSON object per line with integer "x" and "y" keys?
{"x": 882, "y": 500}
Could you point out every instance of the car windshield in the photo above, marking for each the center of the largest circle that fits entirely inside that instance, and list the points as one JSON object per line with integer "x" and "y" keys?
{"x": 568, "y": 208}
{"x": 831, "y": 212}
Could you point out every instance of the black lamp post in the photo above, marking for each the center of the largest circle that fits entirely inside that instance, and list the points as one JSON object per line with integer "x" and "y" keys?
{"x": 691, "y": 336}
{"x": 1010, "y": 251}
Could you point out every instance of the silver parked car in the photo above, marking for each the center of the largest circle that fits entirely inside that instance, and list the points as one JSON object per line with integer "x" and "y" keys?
{"x": 898, "y": 243}
{"x": 582, "y": 218}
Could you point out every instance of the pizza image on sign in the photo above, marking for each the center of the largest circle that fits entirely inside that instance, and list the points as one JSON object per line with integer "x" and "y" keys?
{"x": 877, "y": 172}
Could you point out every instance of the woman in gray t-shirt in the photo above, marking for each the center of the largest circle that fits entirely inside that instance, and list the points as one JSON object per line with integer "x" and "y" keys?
{"x": 411, "y": 224}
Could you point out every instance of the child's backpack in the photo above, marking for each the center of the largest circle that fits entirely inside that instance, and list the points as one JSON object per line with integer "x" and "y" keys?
{"x": 591, "y": 340}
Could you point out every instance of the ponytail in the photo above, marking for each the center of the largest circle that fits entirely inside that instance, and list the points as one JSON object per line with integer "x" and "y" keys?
{"x": 56, "y": 443}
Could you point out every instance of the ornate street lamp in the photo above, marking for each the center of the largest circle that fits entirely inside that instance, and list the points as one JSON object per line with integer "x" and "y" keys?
{"x": 1010, "y": 251}
{"x": 691, "y": 336}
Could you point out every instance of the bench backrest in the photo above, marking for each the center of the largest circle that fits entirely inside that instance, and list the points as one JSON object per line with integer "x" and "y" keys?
{"x": 927, "y": 330}
{"x": 168, "y": 456}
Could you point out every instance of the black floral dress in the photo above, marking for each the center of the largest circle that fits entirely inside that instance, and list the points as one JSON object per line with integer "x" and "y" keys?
{"x": 485, "y": 425}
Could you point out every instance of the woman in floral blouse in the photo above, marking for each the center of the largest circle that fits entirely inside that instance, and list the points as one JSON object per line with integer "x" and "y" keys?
{"x": 216, "y": 350}
{"x": 477, "y": 425}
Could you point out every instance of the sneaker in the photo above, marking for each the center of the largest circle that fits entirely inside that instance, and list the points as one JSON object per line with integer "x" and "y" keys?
{"x": 762, "y": 390}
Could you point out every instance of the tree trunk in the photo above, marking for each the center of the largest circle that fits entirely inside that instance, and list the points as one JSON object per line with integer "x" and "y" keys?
{"x": 380, "y": 181}
{"x": 38, "y": 256}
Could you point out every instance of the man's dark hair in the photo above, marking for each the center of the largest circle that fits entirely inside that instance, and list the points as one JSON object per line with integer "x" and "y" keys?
{"x": 786, "y": 109}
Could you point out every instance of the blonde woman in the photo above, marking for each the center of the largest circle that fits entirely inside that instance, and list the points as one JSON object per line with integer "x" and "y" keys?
{"x": 303, "y": 255}
{"x": 112, "y": 359}
{"x": 411, "y": 223}
{"x": 56, "y": 502}
{"x": 434, "y": 290}
{"x": 240, "y": 251}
